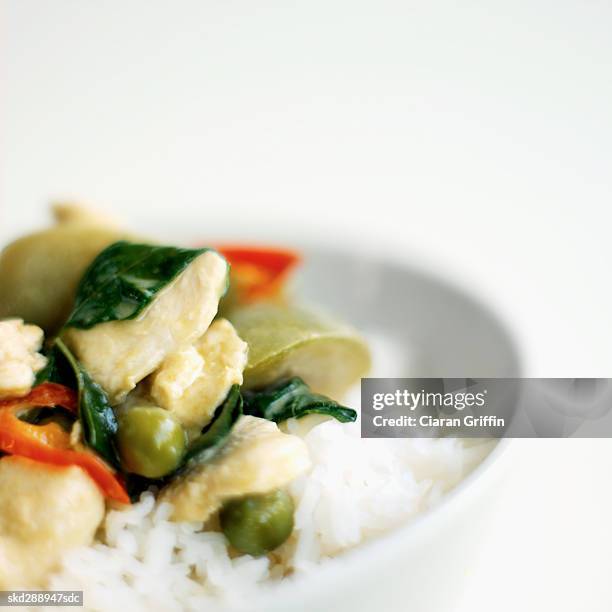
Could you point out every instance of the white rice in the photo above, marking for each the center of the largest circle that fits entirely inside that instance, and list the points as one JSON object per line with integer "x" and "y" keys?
{"x": 357, "y": 488}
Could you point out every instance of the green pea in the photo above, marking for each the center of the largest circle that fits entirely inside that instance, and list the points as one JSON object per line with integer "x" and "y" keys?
{"x": 258, "y": 524}
{"x": 151, "y": 442}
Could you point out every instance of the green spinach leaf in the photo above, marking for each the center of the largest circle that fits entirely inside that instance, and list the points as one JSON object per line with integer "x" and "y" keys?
{"x": 95, "y": 412}
{"x": 293, "y": 398}
{"x": 215, "y": 434}
{"x": 123, "y": 280}
{"x": 97, "y": 418}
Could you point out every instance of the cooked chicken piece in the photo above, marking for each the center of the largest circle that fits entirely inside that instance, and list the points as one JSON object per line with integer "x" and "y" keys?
{"x": 119, "y": 354}
{"x": 192, "y": 382}
{"x": 19, "y": 359}
{"x": 257, "y": 458}
{"x": 45, "y": 510}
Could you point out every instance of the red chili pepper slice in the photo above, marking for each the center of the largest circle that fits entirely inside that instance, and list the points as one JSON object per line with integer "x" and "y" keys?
{"x": 258, "y": 272}
{"x": 50, "y": 443}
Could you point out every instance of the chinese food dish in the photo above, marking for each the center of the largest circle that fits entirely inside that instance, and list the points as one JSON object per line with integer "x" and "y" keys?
{"x": 173, "y": 427}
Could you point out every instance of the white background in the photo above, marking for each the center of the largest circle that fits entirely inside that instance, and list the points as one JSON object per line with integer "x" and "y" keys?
{"x": 471, "y": 138}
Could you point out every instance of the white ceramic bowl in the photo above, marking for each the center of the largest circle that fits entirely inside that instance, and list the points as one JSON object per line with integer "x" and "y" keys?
{"x": 422, "y": 566}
